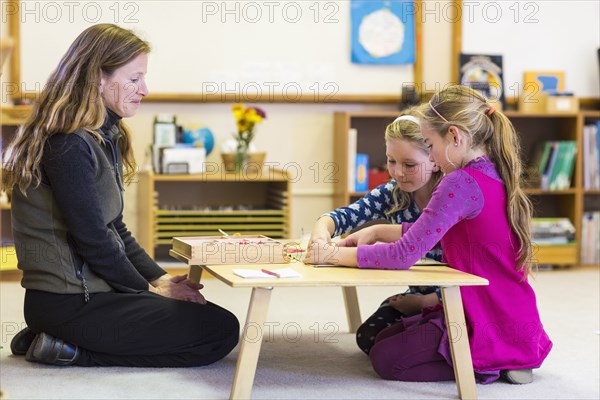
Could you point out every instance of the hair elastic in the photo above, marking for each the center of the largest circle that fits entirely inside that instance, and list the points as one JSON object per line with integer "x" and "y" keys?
{"x": 438, "y": 114}
{"x": 408, "y": 118}
{"x": 491, "y": 111}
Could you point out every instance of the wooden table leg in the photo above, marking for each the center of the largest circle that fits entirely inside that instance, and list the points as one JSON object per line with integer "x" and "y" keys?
{"x": 195, "y": 273}
{"x": 352, "y": 307}
{"x": 251, "y": 341}
{"x": 459, "y": 342}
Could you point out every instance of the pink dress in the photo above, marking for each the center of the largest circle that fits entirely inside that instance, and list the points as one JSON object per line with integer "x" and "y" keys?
{"x": 467, "y": 212}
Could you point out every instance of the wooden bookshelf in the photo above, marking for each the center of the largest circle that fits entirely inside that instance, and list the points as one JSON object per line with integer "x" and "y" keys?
{"x": 532, "y": 128}
{"x": 201, "y": 204}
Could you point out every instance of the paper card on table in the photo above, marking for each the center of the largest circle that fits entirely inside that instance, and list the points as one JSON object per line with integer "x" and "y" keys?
{"x": 257, "y": 274}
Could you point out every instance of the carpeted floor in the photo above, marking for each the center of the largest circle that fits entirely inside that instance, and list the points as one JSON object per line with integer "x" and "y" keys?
{"x": 310, "y": 355}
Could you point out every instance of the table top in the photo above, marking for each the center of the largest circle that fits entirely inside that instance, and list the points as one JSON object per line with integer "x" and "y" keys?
{"x": 434, "y": 275}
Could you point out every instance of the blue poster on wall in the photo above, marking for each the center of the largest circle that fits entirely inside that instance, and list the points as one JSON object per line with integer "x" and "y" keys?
{"x": 383, "y": 32}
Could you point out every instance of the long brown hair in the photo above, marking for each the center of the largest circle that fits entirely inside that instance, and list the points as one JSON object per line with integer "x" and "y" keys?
{"x": 411, "y": 132}
{"x": 71, "y": 100}
{"x": 492, "y": 131}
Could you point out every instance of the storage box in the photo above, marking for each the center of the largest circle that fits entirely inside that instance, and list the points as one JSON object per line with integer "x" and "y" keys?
{"x": 222, "y": 250}
{"x": 533, "y": 102}
{"x": 558, "y": 103}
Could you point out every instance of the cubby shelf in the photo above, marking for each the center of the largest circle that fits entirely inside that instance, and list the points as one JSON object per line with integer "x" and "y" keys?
{"x": 253, "y": 203}
{"x": 532, "y": 129}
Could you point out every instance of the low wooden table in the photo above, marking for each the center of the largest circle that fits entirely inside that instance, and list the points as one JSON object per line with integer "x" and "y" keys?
{"x": 348, "y": 279}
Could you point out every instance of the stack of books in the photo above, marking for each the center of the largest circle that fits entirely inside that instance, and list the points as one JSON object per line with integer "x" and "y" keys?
{"x": 591, "y": 156}
{"x": 552, "y": 231}
{"x": 556, "y": 164}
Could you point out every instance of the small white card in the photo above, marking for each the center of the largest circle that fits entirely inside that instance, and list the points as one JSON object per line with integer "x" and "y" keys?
{"x": 258, "y": 274}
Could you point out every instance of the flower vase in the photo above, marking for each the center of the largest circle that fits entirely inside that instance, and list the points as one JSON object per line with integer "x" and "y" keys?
{"x": 241, "y": 157}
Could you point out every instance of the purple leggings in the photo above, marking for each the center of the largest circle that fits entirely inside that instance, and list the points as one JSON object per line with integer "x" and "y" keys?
{"x": 410, "y": 354}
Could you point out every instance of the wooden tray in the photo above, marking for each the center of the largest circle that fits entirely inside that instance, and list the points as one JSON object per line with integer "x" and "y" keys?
{"x": 223, "y": 250}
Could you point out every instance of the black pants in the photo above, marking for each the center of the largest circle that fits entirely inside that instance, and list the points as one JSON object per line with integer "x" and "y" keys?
{"x": 134, "y": 329}
{"x": 384, "y": 317}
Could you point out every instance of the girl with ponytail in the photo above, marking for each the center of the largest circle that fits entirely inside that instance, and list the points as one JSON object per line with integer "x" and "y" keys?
{"x": 481, "y": 215}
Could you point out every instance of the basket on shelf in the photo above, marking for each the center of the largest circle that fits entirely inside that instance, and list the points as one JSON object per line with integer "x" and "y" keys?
{"x": 254, "y": 163}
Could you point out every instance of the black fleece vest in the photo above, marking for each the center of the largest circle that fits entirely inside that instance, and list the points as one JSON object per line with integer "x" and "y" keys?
{"x": 44, "y": 251}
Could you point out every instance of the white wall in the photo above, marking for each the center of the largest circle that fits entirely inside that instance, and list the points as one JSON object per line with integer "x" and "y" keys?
{"x": 303, "y": 133}
{"x": 210, "y": 46}
{"x": 538, "y": 36}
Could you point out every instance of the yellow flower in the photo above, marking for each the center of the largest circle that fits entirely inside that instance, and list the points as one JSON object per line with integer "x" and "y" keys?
{"x": 245, "y": 119}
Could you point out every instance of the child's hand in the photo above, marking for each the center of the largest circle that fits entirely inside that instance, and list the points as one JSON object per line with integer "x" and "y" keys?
{"x": 407, "y": 304}
{"x": 319, "y": 234}
{"x": 321, "y": 252}
{"x": 364, "y": 236}
{"x": 325, "y": 253}
{"x": 322, "y": 231}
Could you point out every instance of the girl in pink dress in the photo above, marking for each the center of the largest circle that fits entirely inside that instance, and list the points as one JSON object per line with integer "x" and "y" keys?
{"x": 481, "y": 215}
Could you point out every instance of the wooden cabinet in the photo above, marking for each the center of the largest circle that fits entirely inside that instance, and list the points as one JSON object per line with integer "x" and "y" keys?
{"x": 201, "y": 204}
{"x": 532, "y": 129}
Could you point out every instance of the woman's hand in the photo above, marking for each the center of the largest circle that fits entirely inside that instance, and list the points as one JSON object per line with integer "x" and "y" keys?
{"x": 178, "y": 287}
{"x": 325, "y": 253}
{"x": 412, "y": 304}
{"x": 372, "y": 234}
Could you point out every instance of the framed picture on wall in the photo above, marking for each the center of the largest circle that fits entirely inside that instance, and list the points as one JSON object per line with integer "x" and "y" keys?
{"x": 483, "y": 73}
{"x": 383, "y": 32}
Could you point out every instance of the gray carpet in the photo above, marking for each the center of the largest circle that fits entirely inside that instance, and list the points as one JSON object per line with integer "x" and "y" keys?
{"x": 310, "y": 355}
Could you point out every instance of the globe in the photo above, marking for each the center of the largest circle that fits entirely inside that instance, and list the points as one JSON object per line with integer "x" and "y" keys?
{"x": 200, "y": 137}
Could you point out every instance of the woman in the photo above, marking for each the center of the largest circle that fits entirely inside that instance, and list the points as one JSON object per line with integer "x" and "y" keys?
{"x": 93, "y": 295}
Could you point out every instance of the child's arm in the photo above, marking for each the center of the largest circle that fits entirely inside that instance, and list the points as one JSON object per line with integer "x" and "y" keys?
{"x": 372, "y": 206}
{"x": 373, "y": 234}
{"x": 457, "y": 197}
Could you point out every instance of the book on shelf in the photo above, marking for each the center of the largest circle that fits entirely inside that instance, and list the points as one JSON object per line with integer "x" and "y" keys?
{"x": 552, "y": 231}
{"x": 556, "y": 164}
{"x": 352, "y": 143}
{"x": 362, "y": 173}
{"x": 563, "y": 169}
{"x": 590, "y": 238}
{"x": 591, "y": 156}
